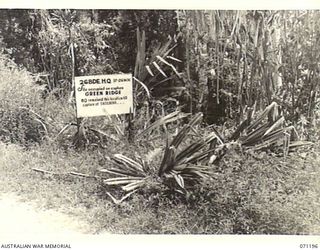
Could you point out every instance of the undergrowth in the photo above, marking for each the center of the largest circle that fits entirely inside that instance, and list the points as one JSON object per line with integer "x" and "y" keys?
{"x": 17, "y": 94}
{"x": 269, "y": 195}
{"x": 248, "y": 192}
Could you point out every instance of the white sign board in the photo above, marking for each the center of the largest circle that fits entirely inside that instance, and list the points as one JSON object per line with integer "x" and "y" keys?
{"x": 103, "y": 95}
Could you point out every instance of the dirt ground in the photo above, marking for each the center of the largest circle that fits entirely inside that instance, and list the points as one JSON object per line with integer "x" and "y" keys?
{"x": 19, "y": 217}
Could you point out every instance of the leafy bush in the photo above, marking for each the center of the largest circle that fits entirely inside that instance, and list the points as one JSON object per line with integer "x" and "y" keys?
{"x": 18, "y": 93}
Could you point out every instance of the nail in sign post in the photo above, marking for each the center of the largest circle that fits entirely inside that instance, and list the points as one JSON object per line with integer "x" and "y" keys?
{"x": 103, "y": 95}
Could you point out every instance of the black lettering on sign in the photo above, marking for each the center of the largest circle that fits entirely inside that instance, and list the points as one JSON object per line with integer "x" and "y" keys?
{"x": 108, "y": 80}
{"x": 113, "y": 92}
{"x": 90, "y": 81}
{"x": 94, "y": 93}
{"x": 88, "y": 104}
{"x": 108, "y": 103}
{"x": 124, "y": 80}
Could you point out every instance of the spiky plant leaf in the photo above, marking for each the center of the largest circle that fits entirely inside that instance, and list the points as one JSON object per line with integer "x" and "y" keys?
{"x": 163, "y": 164}
{"x": 286, "y": 143}
{"x": 279, "y": 122}
{"x": 182, "y": 134}
{"x": 119, "y": 172}
{"x": 174, "y": 59}
{"x": 255, "y": 136}
{"x": 197, "y": 157}
{"x": 272, "y": 138}
{"x": 265, "y": 113}
{"x": 194, "y": 148}
{"x": 180, "y": 167}
{"x": 170, "y": 161}
{"x": 172, "y": 117}
{"x": 236, "y": 134}
{"x": 64, "y": 128}
{"x": 179, "y": 179}
{"x": 170, "y": 65}
{"x": 159, "y": 69}
{"x": 121, "y": 180}
{"x": 294, "y": 144}
{"x": 144, "y": 86}
{"x": 149, "y": 70}
{"x": 196, "y": 119}
{"x": 126, "y": 160}
{"x": 126, "y": 168}
{"x": 132, "y": 186}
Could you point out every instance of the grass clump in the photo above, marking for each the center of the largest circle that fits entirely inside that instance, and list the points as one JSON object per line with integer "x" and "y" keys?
{"x": 266, "y": 196}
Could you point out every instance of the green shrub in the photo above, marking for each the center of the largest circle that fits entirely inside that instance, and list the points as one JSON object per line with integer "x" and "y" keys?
{"x": 18, "y": 93}
{"x": 19, "y": 126}
{"x": 17, "y": 88}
